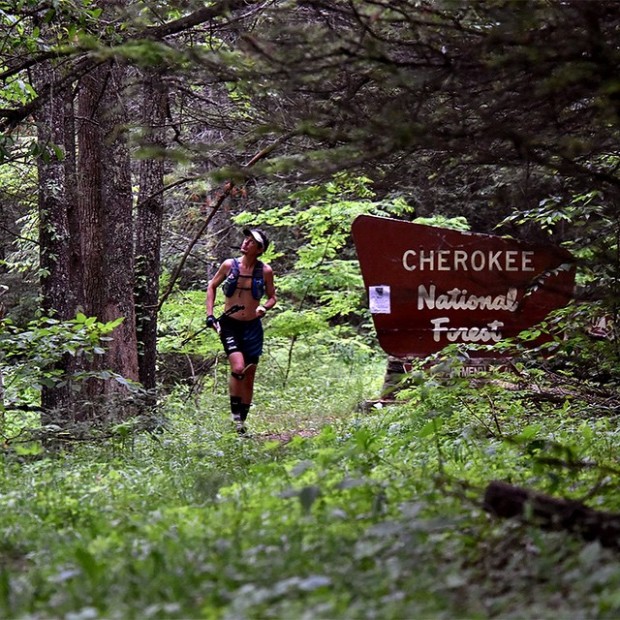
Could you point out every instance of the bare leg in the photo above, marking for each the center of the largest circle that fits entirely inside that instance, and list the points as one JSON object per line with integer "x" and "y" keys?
{"x": 247, "y": 385}
{"x": 237, "y": 366}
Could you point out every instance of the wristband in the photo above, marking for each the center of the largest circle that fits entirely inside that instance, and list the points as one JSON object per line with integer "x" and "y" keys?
{"x": 261, "y": 308}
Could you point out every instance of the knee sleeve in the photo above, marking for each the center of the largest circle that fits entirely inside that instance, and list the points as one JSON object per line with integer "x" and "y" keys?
{"x": 241, "y": 375}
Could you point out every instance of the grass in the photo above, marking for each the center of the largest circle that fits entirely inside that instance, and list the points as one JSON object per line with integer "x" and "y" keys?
{"x": 365, "y": 515}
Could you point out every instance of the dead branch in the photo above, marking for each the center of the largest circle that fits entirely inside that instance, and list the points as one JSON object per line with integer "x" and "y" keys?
{"x": 507, "y": 501}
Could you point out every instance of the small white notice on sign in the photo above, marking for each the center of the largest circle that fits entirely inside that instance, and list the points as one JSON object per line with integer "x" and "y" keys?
{"x": 379, "y": 299}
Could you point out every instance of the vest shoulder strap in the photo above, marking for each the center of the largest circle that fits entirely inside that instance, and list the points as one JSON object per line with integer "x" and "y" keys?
{"x": 257, "y": 272}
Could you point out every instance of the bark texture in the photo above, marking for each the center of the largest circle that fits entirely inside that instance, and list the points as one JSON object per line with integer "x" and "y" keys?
{"x": 150, "y": 213}
{"x": 54, "y": 232}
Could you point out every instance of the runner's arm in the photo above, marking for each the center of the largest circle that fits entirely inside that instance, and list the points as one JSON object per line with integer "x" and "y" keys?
{"x": 270, "y": 291}
{"x": 214, "y": 282}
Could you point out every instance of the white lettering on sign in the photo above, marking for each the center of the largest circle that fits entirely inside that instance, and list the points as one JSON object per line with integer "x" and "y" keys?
{"x": 466, "y": 371}
{"x": 460, "y": 299}
{"x": 428, "y": 298}
{"x": 460, "y": 260}
{"x": 490, "y": 333}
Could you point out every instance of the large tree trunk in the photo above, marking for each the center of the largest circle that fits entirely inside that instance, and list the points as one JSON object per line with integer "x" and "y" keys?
{"x": 86, "y": 238}
{"x": 89, "y": 217}
{"x": 148, "y": 230}
{"x": 54, "y": 234}
{"x": 104, "y": 217}
{"x": 89, "y": 177}
{"x": 118, "y": 235}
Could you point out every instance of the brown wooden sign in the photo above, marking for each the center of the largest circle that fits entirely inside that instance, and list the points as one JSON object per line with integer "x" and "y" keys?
{"x": 430, "y": 287}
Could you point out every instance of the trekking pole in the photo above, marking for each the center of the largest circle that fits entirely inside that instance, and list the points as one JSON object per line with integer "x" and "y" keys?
{"x": 216, "y": 325}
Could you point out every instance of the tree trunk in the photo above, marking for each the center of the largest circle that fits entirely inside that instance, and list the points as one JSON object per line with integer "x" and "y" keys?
{"x": 118, "y": 234}
{"x": 393, "y": 378}
{"x": 3, "y": 290}
{"x": 89, "y": 216}
{"x": 86, "y": 235}
{"x": 89, "y": 203}
{"x": 54, "y": 234}
{"x": 148, "y": 231}
{"x": 104, "y": 218}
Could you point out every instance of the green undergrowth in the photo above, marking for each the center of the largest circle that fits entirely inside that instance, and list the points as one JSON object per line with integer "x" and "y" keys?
{"x": 328, "y": 510}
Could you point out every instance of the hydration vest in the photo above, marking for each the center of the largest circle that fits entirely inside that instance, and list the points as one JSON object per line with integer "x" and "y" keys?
{"x": 229, "y": 286}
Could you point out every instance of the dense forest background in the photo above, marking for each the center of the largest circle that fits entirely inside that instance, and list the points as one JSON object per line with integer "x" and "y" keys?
{"x": 137, "y": 139}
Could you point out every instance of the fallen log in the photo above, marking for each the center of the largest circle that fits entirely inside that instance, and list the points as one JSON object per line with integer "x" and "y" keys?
{"x": 507, "y": 501}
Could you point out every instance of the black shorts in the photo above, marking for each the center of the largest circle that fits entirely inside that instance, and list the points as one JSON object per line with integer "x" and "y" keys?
{"x": 243, "y": 336}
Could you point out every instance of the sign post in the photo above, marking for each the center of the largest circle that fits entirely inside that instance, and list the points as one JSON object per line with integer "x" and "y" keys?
{"x": 430, "y": 287}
